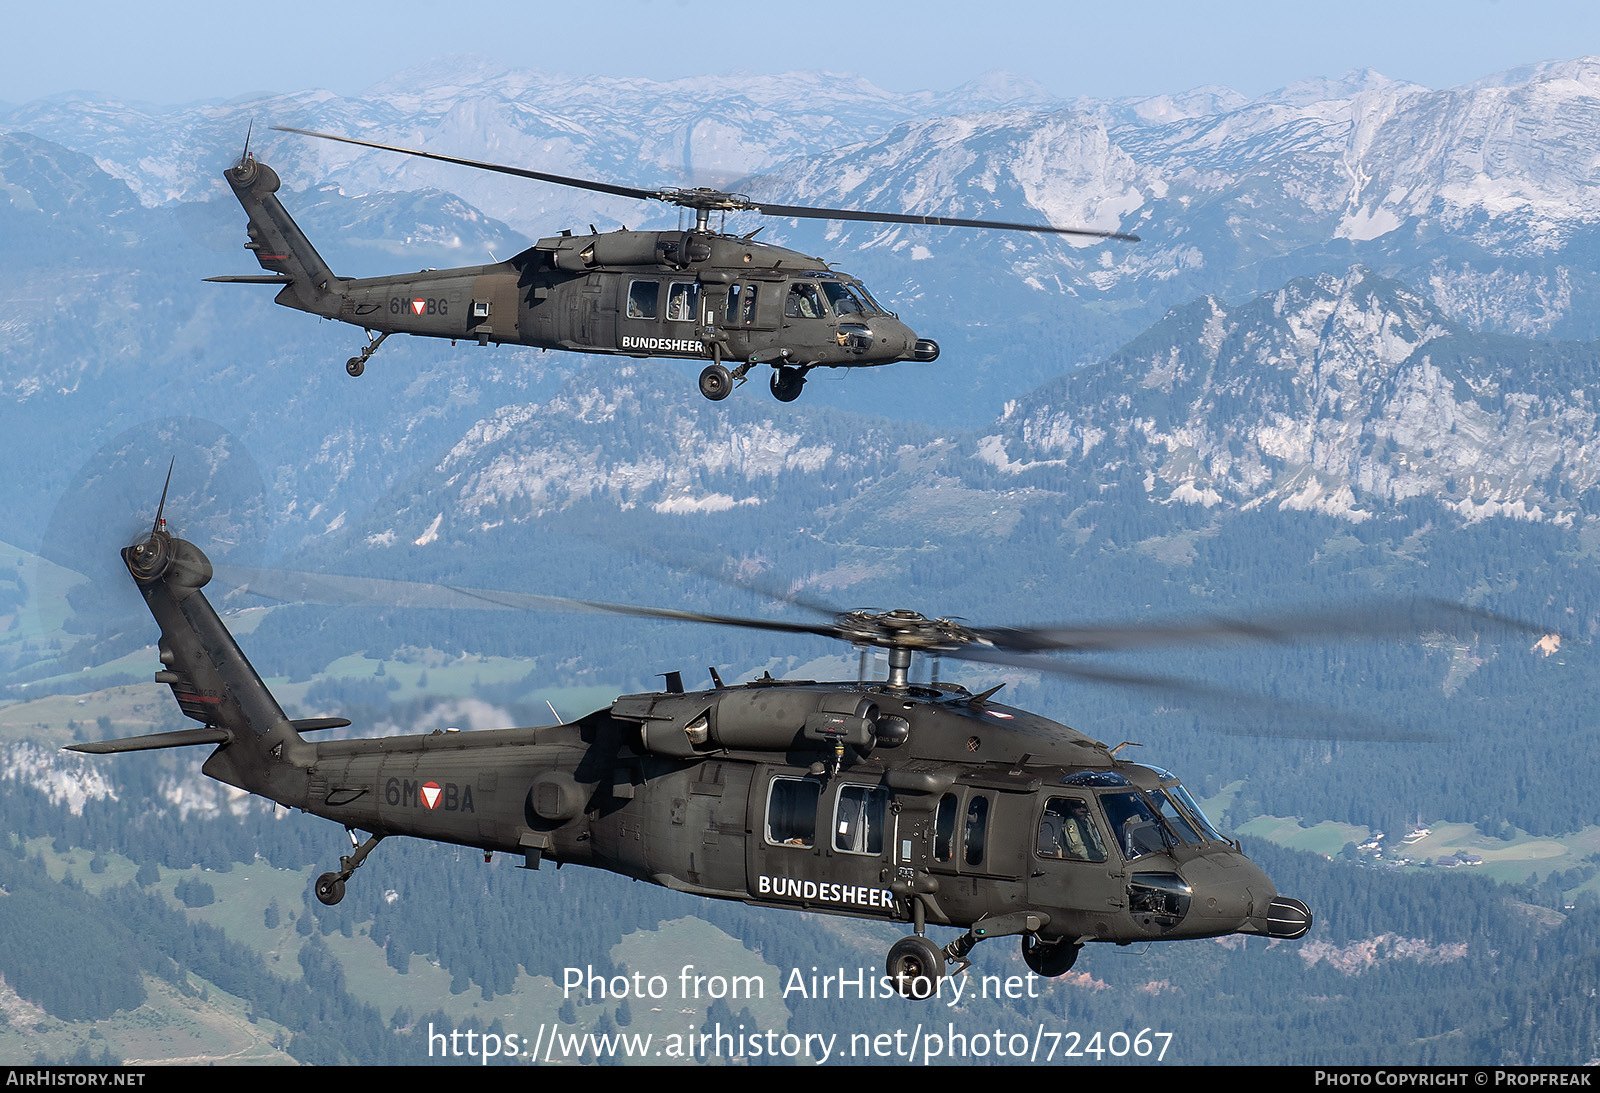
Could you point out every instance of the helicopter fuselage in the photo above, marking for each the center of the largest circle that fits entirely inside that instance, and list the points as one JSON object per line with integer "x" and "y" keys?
{"x": 558, "y": 295}
{"x": 886, "y": 801}
{"x": 908, "y": 833}
{"x": 696, "y": 294}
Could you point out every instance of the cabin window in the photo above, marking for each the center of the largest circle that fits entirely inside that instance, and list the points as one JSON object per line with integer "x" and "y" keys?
{"x": 683, "y": 302}
{"x": 742, "y": 305}
{"x": 642, "y": 299}
{"x": 944, "y": 828}
{"x": 858, "y": 819}
{"x": 977, "y": 829}
{"x": 1066, "y": 830}
{"x": 792, "y": 811}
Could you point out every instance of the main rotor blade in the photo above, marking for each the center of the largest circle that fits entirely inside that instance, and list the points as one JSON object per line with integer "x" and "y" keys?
{"x": 1036, "y": 662}
{"x": 676, "y": 562}
{"x": 1411, "y": 619}
{"x": 932, "y": 221}
{"x": 499, "y": 168}
{"x": 713, "y": 199}
{"x": 1020, "y": 646}
{"x": 1288, "y": 720}
{"x": 337, "y": 590}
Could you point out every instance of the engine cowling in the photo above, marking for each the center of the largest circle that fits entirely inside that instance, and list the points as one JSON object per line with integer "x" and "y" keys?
{"x": 758, "y": 719}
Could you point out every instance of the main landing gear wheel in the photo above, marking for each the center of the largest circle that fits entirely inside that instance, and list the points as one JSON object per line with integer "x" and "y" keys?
{"x": 355, "y": 366}
{"x": 330, "y": 888}
{"x": 716, "y": 382}
{"x": 915, "y": 966}
{"x": 787, "y": 383}
{"x": 1049, "y": 958}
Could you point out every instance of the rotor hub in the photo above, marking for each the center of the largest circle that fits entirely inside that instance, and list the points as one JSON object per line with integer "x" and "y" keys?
{"x": 902, "y": 629}
{"x": 706, "y": 199}
{"x": 149, "y": 560}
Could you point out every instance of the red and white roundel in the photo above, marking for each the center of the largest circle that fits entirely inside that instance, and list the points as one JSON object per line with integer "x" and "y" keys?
{"x": 431, "y": 794}
{"x": 418, "y": 306}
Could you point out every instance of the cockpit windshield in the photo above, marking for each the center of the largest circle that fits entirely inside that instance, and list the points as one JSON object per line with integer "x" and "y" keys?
{"x": 1137, "y": 829}
{"x": 842, "y": 300}
{"x": 1139, "y": 822}
{"x": 1141, "y": 830}
{"x": 1175, "y": 819}
{"x": 1188, "y": 804}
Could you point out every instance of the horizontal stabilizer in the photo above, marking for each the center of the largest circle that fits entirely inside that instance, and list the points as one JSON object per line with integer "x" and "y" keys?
{"x": 317, "y": 724}
{"x": 182, "y": 738}
{"x": 254, "y": 279}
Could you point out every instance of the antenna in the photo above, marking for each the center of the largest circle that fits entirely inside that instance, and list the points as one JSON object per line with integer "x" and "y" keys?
{"x": 161, "y": 507}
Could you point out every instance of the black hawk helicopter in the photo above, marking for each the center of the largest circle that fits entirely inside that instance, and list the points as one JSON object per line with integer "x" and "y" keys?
{"x": 887, "y": 800}
{"x": 693, "y": 294}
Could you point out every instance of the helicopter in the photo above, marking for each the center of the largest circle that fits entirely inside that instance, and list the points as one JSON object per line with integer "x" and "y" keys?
{"x": 691, "y": 294}
{"x": 888, "y": 800}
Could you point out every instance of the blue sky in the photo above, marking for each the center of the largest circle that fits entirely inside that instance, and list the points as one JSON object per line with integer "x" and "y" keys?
{"x": 167, "y": 51}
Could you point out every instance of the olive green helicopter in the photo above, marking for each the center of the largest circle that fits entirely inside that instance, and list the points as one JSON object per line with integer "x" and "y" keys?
{"x": 694, "y": 294}
{"x": 897, "y": 801}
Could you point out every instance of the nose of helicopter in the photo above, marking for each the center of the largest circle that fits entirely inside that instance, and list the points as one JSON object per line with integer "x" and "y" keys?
{"x": 1231, "y": 894}
{"x": 902, "y": 343}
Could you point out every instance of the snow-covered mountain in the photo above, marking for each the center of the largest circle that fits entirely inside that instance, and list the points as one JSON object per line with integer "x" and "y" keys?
{"x": 1491, "y": 188}
{"x": 1345, "y": 395}
{"x": 1341, "y": 390}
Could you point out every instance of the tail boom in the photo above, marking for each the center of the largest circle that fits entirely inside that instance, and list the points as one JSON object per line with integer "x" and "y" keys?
{"x": 260, "y": 749}
{"x": 280, "y": 246}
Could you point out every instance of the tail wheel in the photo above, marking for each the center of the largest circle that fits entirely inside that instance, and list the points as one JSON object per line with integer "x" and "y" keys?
{"x": 1049, "y": 958}
{"x": 330, "y": 888}
{"x": 355, "y": 366}
{"x": 915, "y": 966}
{"x": 716, "y": 382}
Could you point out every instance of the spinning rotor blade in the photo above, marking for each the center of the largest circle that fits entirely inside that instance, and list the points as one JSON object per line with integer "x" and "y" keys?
{"x": 1017, "y": 647}
{"x": 336, "y": 590}
{"x": 1413, "y": 618}
{"x": 1288, "y": 719}
{"x": 1026, "y": 648}
{"x": 702, "y": 198}
{"x": 759, "y": 584}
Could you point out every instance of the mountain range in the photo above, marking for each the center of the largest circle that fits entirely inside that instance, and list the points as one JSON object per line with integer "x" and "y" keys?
{"x": 1351, "y": 357}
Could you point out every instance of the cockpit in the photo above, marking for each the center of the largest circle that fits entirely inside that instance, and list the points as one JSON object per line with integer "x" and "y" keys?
{"x": 1095, "y": 810}
{"x": 815, "y": 299}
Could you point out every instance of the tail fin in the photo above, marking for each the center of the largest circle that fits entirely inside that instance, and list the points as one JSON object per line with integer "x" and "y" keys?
{"x": 280, "y": 246}
{"x": 211, "y": 679}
